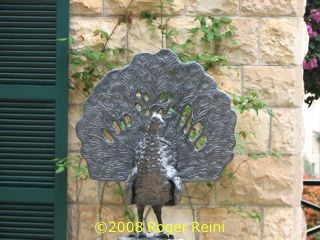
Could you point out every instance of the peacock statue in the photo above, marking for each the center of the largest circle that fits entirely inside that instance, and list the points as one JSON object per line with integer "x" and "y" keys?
{"x": 156, "y": 123}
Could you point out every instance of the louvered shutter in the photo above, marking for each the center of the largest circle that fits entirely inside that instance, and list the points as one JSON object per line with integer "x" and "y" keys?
{"x": 33, "y": 118}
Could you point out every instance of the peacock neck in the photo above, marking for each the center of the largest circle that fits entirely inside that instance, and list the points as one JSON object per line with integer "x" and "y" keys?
{"x": 153, "y": 129}
{"x": 153, "y": 134}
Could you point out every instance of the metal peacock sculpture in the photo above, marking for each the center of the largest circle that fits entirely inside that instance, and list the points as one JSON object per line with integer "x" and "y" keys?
{"x": 156, "y": 123}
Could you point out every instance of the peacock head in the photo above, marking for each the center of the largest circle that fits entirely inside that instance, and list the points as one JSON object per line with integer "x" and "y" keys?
{"x": 155, "y": 122}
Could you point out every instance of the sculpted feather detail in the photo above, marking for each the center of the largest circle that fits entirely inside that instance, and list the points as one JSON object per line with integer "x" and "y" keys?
{"x": 156, "y": 123}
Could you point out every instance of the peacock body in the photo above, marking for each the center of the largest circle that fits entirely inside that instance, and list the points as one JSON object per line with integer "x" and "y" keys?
{"x": 155, "y": 123}
{"x": 154, "y": 170}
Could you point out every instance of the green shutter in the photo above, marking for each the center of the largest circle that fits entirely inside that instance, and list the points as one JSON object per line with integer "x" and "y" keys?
{"x": 33, "y": 118}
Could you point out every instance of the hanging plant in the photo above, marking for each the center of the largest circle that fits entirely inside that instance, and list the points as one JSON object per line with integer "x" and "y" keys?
{"x": 311, "y": 63}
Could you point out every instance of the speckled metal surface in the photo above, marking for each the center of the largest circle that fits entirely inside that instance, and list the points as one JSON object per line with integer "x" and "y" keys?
{"x": 136, "y": 91}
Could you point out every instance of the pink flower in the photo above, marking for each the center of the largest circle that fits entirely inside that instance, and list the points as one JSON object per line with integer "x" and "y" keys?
{"x": 308, "y": 65}
{"x": 315, "y": 15}
{"x": 311, "y": 32}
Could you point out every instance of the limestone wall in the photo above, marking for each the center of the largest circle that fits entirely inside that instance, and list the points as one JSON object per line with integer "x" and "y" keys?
{"x": 271, "y": 38}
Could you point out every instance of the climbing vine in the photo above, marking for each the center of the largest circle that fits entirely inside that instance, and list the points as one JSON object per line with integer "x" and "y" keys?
{"x": 89, "y": 63}
{"x": 213, "y": 32}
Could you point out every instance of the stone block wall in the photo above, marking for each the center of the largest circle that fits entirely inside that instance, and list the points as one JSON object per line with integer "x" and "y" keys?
{"x": 271, "y": 37}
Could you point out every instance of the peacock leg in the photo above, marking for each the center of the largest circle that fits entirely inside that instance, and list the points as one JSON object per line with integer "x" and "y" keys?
{"x": 157, "y": 212}
{"x": 140, "y": 208}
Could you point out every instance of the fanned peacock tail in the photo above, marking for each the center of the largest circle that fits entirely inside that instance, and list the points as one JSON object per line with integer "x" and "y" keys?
{"x": 199, "y": 122}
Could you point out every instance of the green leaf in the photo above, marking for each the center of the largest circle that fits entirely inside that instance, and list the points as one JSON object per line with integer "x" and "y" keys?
{"x": 194, "y": 30}
{"x": 228, "y": 34}
{"x": 104, "y": 35}
{"x": 118, "y": 191}
{"x": 209, "y": 185}
{"x": 62, "y": 39}
{"x": 270, "y": 112}
{"x": 243, "y": 134}
{"x": 76, "y": 75}
{"x": 241, "y": 149}
{"x": 116, "y": 51}
{"x": 96, "y": 32}
{"x": 203, "y": 22}
{"x": 60, "y": 170}
{"x": 209, "y": 36}
{"x": 131, "y": 216}
{"x": 225, "y": 20}
{"x": 312, "y": 45}
{"x": 76, "y": 61}
{"x": 233, "y": 42}
{"x": 146, "y": 14}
